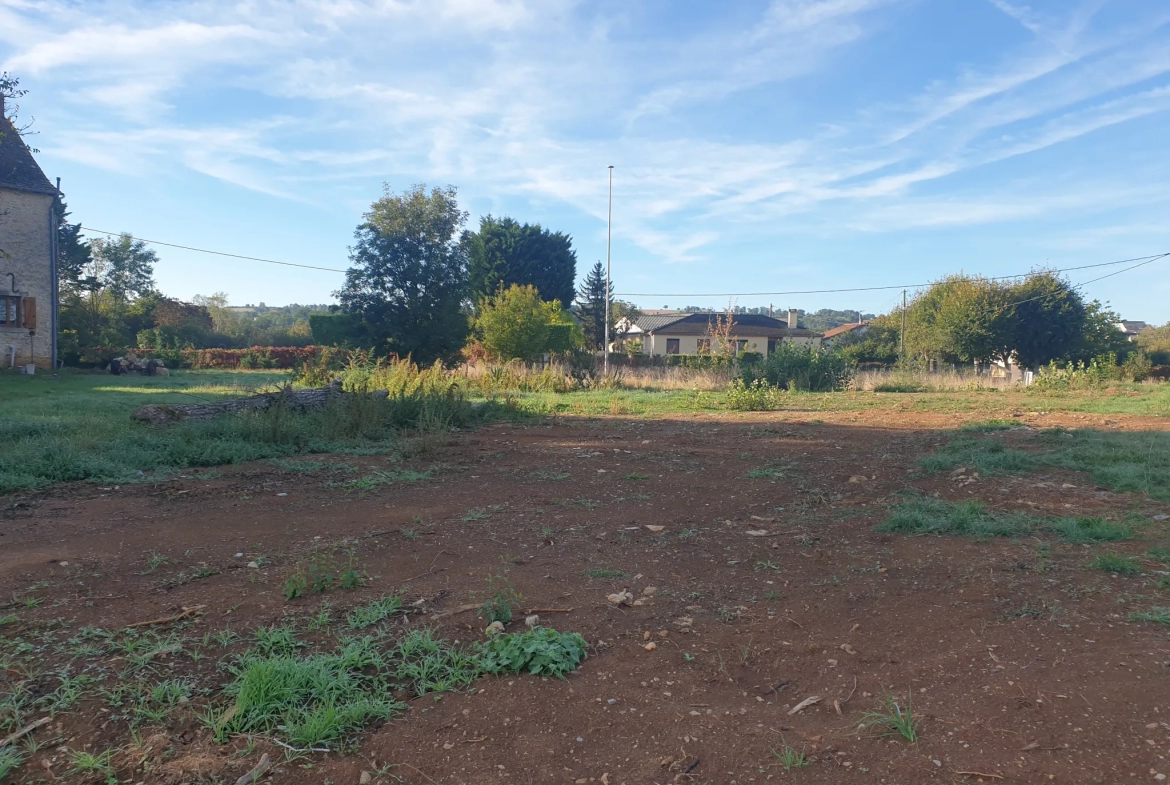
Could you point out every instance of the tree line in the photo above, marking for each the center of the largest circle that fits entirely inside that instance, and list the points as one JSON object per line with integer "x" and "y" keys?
{"x": 963, "y": 319}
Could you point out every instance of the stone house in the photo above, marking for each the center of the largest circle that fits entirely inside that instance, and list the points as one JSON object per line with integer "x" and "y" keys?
{"x": 690, "y": 333}
{"x": 28, "y": 255}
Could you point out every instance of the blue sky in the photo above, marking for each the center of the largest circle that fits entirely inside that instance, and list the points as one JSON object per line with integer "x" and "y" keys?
{"x": 759, "y": 146}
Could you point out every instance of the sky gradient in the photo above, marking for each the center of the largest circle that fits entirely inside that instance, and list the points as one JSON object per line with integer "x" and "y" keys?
{"x": 757, "y": 146}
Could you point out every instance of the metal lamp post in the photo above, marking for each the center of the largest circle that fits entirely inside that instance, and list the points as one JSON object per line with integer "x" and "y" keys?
{"x": 608, "y": 242}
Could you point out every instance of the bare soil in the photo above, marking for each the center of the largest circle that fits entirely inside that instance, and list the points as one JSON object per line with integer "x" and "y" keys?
{"x": 1019, "y": 659}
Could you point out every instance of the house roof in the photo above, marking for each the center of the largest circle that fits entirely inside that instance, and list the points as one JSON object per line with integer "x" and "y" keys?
{"x": 756, "y": 325}
{"x": 18, "y": 169}
{"x": 1130, "y": 326}
{"x": 845, "y": 328}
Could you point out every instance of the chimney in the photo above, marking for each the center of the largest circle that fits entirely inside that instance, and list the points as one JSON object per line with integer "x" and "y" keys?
{"x": 792, "y": 320}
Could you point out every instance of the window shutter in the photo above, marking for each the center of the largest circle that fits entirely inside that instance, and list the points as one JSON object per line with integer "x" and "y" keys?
{"x": 29, "y": 311}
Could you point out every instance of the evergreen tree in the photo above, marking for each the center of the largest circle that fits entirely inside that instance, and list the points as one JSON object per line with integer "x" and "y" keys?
{"x": 505, "y": 252}
{"x": 591, "y": 306}
{"x": 73, "y": 254}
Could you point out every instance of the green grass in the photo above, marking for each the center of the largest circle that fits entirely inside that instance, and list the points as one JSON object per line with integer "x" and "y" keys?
{"x": 989, "y": 426}
{"x": 1160, "y": 555}
{"x": 1137, "y": 461}
{"x": 1118, "y": 565}
{"x": 789, "y": 757}
{"x": 373, "y": 612}
{"x": 10, "y": 760}
{"x": 379, "y": 477}
{"x": 604, "y": 573}
{"x": 893, "y": 719}
{"x": 928, "y": 515}
{"x": 1153, "y": 616}
{"x": 767, "y": 473}
{"x": 79, "y": 427}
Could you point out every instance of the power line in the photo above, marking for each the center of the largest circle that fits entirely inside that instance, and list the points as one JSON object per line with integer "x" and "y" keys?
{"x": 216, "y": 253}
{"x": 1148, "y": 259}
{"x": 1143, "y": 260}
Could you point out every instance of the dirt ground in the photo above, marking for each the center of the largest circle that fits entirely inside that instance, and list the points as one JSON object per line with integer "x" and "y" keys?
{"x": 759, "y": 595}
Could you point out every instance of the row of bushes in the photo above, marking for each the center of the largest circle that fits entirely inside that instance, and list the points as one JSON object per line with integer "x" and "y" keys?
{"x": 275, "y": 357}
{"x": 1101, "y": 371}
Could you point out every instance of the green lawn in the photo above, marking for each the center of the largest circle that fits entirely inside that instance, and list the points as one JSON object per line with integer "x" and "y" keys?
{"x": 79, "y": 426}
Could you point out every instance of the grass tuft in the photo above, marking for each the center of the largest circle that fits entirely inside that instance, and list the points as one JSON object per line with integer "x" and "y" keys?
{"x": 893, "y": 719}
{"x": 790, "y": 757}
{"x": 1118, "y": 565}
{"x": 926, "y": 515}
{"x": 373, "y": 612}
{"x": 1154, "y": 616}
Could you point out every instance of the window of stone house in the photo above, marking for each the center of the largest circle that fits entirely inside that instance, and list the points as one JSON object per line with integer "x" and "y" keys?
{"x": 9, "y": 311}
{"x": 703, "y": 346}
{"x": 672, "y": 345}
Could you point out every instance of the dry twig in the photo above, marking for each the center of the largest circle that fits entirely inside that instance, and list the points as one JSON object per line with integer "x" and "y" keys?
{"x": 187, "y": 611}
{"x": 257, "y": 771}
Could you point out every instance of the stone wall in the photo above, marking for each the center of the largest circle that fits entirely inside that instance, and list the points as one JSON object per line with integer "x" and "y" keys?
{"x": 26, "y": 239}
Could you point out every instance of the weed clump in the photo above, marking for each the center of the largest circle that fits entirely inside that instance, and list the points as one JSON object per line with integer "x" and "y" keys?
{"x": 539, "y": 651}
{"x": 373, "y": 612}
{"x": 925, "y": 515}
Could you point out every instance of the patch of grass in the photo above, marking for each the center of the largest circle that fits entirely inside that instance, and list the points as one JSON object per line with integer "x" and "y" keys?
{"x": 554, "y": 476}
{"x": 893, "y": 719}
{"x": 637, "y": 477}
{"x": 1136, "y": 462}
{"x": 604, "y": 573}
{"x": 989, "y": 426}
{"x": 429, "y": 664}
{"x": 539, "y": 651}
{"x": 984, "y": 455}
{"x": 88, "y": 764}
{"x": 8, "y": 619}
{"x": 767, "y": 473}
{"x": 1118, "y": 565}
{"x": 73, "y": 427}
{"x": 373, "y": 612}
{"x": 476, "y": 514}
{"x": 310, "y": 700}
{"x": 790, "y": 757}
{"x": 10, "y": 760}
{"x": 378, "y": 478}
{"x": 1153, "y": 616}
{"x": 1160, "y": 555}
{"x": 927, "y": 515}
{"x": 1089, "y": 530}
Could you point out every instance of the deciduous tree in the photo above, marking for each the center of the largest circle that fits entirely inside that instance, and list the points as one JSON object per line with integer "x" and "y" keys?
{"x": 504, "y": 252}
{"x": 408, "y": 278}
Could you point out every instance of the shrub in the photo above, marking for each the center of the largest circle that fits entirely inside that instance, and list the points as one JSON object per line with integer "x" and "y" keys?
{"x": 755, "y": 397}
{"x": 802, "y": 368}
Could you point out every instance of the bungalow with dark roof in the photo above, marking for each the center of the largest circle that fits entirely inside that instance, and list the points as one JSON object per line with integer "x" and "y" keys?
{"x": 692, "y": 333}
{"x": 28, "y": 261}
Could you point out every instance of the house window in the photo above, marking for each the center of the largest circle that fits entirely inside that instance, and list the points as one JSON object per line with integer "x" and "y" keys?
{"x": 740, "y": 345}
{"x": 10, "y": 313}
{"x": 703, "y": 346}
{"x": 672, "y": 345}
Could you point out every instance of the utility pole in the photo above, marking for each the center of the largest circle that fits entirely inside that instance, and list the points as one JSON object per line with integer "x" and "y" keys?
{"x": 608, "y": 242}
{"x": 902, "y": 335}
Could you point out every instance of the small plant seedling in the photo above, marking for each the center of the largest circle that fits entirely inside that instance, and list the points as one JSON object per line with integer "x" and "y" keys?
{"x": 476, "y": 514}
{"x": 894, "y": 720}
{"x": 155, "y": 561}
{"x": 351, "y": 578}
{"x": 502, "y": 603}
{"x": 408, "y": 534}
{"x": 637, "y": 477}
{"x": 87, "y": 763}
{"x": 320, "y": 578}
{"x": 766, "y": 565}
{"x": 1118, "y": 565}
{"x": 295, "y": 586}
{"x": 790, "y": 757}
{"x": 555, "y": 476}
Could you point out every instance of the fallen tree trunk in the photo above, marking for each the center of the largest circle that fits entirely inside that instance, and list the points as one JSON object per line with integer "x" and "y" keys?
{"x": 315, "y": 398}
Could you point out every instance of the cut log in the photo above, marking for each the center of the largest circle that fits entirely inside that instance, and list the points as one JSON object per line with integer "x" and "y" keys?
{"x": 315, "y": 398}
